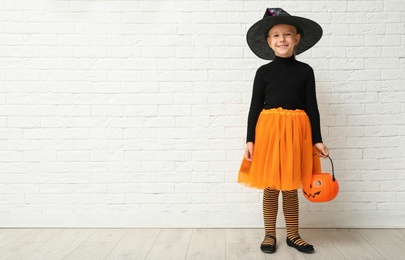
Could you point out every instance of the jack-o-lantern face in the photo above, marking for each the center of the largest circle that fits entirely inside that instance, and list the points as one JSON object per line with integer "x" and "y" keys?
{"x": 323, "y": 188}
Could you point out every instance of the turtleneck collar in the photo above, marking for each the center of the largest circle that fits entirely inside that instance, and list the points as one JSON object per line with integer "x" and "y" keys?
{"x": 284, "y": 60}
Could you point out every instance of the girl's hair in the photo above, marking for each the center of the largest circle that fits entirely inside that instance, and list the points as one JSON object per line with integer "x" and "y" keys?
{"x": 297, "y": 30}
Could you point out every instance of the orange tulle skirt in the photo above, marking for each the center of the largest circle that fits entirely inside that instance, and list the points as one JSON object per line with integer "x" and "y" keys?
{"x": 282, "y": 153}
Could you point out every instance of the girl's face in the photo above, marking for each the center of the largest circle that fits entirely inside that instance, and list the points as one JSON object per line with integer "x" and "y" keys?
{"x": 283, "y": 38}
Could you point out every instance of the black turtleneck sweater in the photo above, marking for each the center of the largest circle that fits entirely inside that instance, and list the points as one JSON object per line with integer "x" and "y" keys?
{"x": 286, "y": 83}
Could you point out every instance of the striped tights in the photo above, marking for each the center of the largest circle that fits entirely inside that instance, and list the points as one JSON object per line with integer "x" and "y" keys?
{"x": 290, "y": 210}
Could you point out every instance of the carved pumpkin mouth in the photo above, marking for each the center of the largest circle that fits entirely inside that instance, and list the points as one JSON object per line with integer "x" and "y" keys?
{"x": 312, "y": 196}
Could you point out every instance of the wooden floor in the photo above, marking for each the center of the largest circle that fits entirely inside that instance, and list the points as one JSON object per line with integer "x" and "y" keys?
{"x": 207, "y": 244}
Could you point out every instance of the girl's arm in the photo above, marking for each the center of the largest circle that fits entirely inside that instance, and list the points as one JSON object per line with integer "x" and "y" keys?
{"x": 249, "y": 151}
{"x": 323, "y": 151}
{"x": 256, "y": 104}
{"x": 311, "y": 106}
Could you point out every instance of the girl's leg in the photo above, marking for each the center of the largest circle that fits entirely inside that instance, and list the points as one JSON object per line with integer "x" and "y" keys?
{"x": 290, "y": 209}
{"x": 270, "y": 209}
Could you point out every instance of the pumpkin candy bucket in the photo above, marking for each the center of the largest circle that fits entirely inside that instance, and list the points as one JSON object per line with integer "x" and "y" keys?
{"x": 324, "y": 187}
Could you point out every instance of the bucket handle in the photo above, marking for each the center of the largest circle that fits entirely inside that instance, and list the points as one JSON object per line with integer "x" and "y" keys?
{"x": 333, "y": 169}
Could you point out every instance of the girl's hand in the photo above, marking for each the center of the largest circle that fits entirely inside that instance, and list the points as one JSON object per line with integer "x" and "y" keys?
{"x": 323, "y": 151}
{"x": 249, "y": 151}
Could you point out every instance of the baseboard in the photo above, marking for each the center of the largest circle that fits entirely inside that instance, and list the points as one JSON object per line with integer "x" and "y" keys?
{"x": 203, "y": 220}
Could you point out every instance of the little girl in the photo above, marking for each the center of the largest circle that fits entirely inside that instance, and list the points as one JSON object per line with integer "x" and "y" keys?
{"x": 283, "y": 131}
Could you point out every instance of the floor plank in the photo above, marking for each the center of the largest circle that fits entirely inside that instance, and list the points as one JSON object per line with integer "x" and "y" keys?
{"x": 243, "y": 251}
{"x": 243, "y": 244}
{"x": 242, "y": 236}
{"x": 169, "y": 251}
{"x": 381, "y": 236}
{"x": 352, "y": 245}
{"x": 135, "y": 244}
{"x": 28, "y": 243}
{"x": 9, "y": 235}
{"x": 207, "y": 244}
{"x": 98, "y": 245}
{"x": 315, "y": 236}
{"x": 175, "y": 235}
{"x": 61, "y": 245}
{"x": 392, "y": 252}
{"x": 325, "y": 251}
{"x": 171, "y": 244}
{"x": 400, "y": 233}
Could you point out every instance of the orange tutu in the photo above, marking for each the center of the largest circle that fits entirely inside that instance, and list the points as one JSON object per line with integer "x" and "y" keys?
{"x": 283, "y": 152}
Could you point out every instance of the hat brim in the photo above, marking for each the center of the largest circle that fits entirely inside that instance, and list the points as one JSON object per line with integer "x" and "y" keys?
{"x": 257, "y": 34}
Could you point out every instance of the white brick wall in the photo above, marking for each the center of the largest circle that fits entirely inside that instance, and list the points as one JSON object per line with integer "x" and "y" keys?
{"x": 133, "y": 113}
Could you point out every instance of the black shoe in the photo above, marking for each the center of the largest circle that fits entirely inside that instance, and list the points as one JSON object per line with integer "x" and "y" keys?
{"x": 307, "y": 248}
{"x": 267, "y": 248}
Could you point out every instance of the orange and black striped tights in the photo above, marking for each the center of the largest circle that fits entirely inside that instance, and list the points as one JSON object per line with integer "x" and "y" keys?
{"x": 290, "y": 210}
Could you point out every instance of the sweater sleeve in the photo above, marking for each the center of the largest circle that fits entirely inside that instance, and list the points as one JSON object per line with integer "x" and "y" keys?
{"x": 311, "y": 107}
{"x": 256, "y": 105}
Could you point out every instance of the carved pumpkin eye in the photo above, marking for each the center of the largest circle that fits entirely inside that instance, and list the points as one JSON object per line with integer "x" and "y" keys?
{"x": 323, "y": 188}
